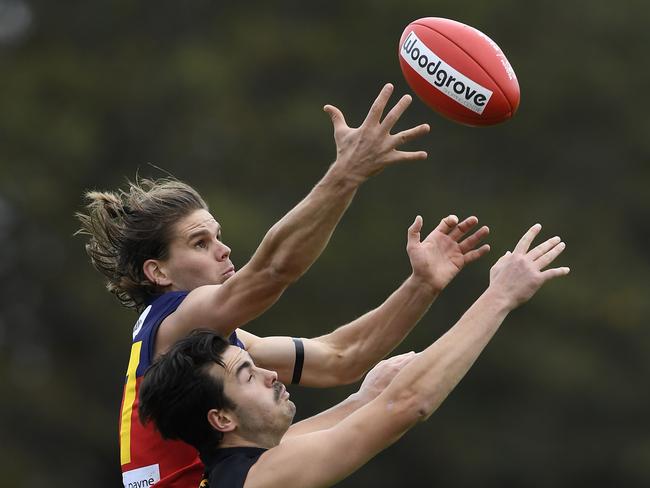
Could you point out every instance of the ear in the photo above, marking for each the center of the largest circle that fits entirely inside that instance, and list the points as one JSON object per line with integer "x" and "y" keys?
{"x": 154, "y": 270}
{"x": 222, "y": 420}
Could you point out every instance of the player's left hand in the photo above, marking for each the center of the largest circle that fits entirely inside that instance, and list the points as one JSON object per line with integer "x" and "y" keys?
{"x": 438, "y": 258}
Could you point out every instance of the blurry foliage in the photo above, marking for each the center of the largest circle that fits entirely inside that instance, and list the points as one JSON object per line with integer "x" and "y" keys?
{"x": 228, "y": 97}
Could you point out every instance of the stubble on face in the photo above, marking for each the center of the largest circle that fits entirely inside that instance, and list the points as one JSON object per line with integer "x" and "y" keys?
{"x": 257, "y": 422}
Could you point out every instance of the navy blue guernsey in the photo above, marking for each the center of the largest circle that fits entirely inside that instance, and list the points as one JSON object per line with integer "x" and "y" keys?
{"x": 228, "y": 467}
{"x": 145, "y": 457}
{"x": 147, "y": 325}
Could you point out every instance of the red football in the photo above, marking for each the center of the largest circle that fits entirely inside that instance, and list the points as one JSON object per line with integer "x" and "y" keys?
{"x": 458, "y": 71}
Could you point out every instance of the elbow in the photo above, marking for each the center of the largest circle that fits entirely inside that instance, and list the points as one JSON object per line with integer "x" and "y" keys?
{"x": 275, "y": 274}
{"x": 412, "y": 407}
{"x": 282, "y": 262}
{"x": 341, "y": 373}
{"x": 273, "y": 259}
{"x": 283, "y": 272}
{"x": 349, "y": 366}
{"x": 341, "y": 368}
{"x": 424, "y": 409}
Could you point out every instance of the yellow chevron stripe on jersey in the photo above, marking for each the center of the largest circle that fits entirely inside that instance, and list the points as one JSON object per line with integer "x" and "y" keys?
{"x": 127, "y": 407}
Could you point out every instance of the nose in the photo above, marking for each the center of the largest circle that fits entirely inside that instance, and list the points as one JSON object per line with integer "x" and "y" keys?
{"x": 270, "y": 377}
{"x": 222, "y": 251}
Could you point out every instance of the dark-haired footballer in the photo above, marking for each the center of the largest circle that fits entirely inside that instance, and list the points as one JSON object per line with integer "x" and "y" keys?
{"x": 238, "y": 415}
{"x": 162, "y": 253}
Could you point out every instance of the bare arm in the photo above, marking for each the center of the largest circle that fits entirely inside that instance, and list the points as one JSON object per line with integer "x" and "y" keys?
{"x": 317, "y": 459}
{"x": 375, "y": 426}
{"x": 373, "y": 384}
{"x": 514, "y": 279}
{"x": 331, "y": 360}
{"x": 293, "y": 243}
{"x": 344, "y": 355}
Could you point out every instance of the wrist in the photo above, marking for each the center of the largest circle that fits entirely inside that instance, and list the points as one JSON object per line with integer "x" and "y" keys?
{"x": 360, "y": 398}
{"x": 423, "y": 286}
{"x": 499, "y": 300}
{"x": 340, "y": 172}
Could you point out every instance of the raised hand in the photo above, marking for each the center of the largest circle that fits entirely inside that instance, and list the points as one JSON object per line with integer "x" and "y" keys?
{"x": 445, "y": 251}
{"x": 379, "y": 377}
{"x": 366, "y": 150}
{"x": 519, "y": 274}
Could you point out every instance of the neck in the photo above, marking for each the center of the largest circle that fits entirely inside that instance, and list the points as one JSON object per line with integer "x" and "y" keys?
{"x": 265, "y": 441}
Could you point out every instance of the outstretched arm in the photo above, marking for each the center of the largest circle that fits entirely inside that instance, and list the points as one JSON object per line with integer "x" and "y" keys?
{"x": 344, "y": 355}
{"x": 293, "y": 243}
{"x": 376, "y": 381}
{"x": 325, "y": 457}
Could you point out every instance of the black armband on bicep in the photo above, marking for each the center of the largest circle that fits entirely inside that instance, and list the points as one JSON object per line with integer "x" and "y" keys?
{"x": 300, "y": 359}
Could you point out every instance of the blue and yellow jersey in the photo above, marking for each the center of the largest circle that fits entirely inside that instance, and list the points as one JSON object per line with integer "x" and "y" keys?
{"x": 147, "y": 458}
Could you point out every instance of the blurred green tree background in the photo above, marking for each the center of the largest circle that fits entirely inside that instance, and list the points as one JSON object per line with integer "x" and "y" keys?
{"x": 227, "y": 96}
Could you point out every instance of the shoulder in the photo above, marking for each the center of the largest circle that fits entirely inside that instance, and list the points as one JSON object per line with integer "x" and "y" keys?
{"x": 229, "y": 467}
{"x": 169, "y": 299}
{"x": 147, "y": 326}
{"x": 157, "y": 310}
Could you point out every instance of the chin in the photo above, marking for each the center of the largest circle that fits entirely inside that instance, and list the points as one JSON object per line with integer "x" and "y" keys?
{"x": 291, "y": 410}
{"x": 220, "y": 280}
{"x": 225, "y": 277}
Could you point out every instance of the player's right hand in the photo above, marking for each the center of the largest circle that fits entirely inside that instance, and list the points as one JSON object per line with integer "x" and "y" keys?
{"x": 366, "y": 150}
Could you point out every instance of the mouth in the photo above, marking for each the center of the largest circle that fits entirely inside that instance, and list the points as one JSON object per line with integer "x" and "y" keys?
{"x": 280, "y": 392}
{"x": 229, "y": 272}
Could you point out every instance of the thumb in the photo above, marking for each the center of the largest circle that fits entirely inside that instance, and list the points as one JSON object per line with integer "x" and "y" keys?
{"x": 338, "y": 120}
{"x": 414, "y": 231}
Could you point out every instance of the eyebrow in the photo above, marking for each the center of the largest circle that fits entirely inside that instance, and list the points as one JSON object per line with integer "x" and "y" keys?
{"x": 241, "y": 367}
{"x": 202, "y": 232}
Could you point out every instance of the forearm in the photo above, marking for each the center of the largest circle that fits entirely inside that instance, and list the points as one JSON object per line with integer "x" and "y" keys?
{"x": 295, "y": 242}
{"x": 425, "y": 383}
{"x": 329, "y": 417}
{"x": 514, "y": 279}
{"x": 359, "y": 345}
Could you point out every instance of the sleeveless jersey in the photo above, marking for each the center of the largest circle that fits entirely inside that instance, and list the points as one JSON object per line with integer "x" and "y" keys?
{"x": 147, "y": 458}
{"x": 228, "y": 467}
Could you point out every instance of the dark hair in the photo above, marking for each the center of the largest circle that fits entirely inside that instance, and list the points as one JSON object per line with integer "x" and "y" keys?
{"x": 177, "y": 390}
{"x": 127, "y": 227}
